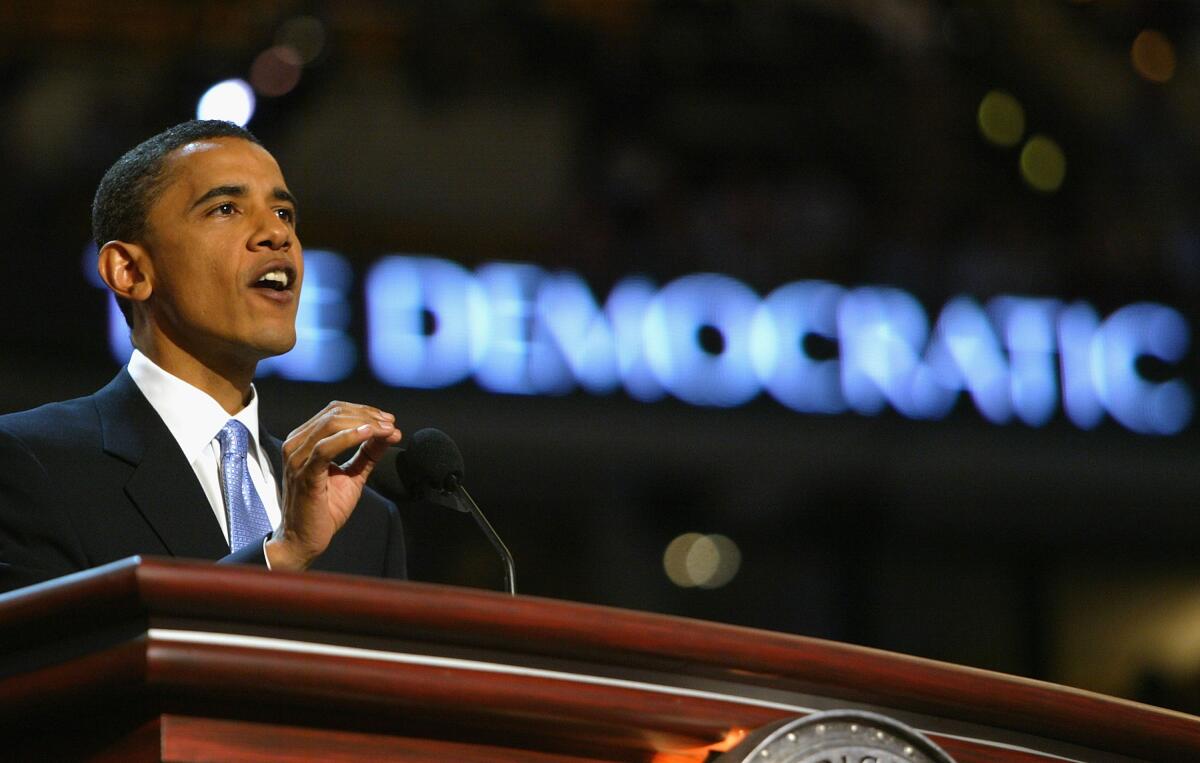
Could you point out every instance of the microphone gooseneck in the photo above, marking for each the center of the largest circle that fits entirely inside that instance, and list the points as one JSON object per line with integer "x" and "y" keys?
{"x": 431, "y": 468}
{"x": 510, "y": 570}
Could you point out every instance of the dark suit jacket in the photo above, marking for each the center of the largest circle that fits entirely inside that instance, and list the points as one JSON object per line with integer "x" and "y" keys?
{"x": 96, "y": 479}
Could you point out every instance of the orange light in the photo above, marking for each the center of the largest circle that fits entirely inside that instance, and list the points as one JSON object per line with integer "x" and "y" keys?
{"x": 1153, "y": 56}
{"x": 696, "y": 754}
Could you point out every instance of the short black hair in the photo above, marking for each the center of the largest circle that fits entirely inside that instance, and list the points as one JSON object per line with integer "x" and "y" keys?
{"x": 127, "y": 189}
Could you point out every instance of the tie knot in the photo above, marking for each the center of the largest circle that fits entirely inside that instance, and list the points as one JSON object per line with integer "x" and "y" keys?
{"x": 234, "y": 439}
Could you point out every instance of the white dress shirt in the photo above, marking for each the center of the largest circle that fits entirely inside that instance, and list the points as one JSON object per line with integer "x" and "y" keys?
{"x": 194, "y": 420}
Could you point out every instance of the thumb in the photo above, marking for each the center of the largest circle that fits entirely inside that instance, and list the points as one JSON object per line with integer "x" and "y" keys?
{"x": 368, "y": 455}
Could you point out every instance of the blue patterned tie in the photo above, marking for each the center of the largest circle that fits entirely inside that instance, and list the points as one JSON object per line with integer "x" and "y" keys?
{"x": 248, "y": 521}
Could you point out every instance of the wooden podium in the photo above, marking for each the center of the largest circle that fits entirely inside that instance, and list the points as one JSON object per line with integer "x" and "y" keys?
{"x": 149, "y": 659}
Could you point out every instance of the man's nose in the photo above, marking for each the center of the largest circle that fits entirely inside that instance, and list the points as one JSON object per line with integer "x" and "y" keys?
{"x": 272, "y": 233}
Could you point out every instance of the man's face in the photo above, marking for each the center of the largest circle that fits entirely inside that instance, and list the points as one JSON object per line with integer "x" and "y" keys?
{"x": 226, "y": 263}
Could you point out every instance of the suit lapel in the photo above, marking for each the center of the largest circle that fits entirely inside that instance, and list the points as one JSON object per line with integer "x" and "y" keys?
{"x": 163, "y": 488}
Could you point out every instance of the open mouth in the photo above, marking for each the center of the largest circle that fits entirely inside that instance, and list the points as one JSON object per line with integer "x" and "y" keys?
{"x": 276, "y": 279}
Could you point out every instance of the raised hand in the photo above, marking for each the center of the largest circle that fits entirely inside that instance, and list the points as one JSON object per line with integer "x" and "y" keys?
{"x": 318, "y": 494}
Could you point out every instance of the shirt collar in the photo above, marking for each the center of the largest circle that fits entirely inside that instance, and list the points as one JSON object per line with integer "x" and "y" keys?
{"x": 192, "y": 416}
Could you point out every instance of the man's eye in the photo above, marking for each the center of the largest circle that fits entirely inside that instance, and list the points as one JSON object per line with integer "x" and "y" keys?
{"x": 286, "y": 214}
{"x": 225, "y": 209}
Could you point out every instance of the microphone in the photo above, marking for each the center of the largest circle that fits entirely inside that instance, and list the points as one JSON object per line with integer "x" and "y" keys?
{"x": 431, "y": 468}
{"x": 421, "y": 469}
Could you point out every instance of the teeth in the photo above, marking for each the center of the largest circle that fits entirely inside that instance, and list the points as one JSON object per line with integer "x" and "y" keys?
{"x": 277, "y": 278}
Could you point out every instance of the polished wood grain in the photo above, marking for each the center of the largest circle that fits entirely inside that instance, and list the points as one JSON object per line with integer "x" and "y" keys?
{"x": 93, "y": 634}
{"x": 384, "y": 694}
{"x": 195, "y": 739}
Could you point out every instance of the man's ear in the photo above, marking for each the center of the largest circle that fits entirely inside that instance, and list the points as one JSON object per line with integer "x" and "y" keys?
{"x": 127, "y": 270}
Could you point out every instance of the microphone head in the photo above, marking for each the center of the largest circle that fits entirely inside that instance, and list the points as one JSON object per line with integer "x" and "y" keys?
{"x": 428, "y": 467}
{"x": 431, "y": 460}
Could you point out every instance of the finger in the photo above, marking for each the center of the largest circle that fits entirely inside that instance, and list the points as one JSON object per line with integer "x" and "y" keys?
{"x": 360, "y": 408}
{"x": 333, "y": 419}
{"x": 327, "y": 448}
{"x": 336, "y": 419}
{"x": 369, "y": 453}
{"x": 334, "y": 407}
{"x": 300, "y": 450}
{"x": 380, "y": 413}
{"x": 338, "y": 409}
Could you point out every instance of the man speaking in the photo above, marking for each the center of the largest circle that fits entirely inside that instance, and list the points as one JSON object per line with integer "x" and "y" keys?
{"x": 197, "y": 240}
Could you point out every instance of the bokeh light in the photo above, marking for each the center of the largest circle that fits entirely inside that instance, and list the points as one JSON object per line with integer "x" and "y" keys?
{"x": 276, "y": 71}
{"x": 231, "y": 100}
{"x": 1043, "y": 164}
{"x": 1001, "y": 118}
{"x": 693, "y": 560}
{"x": 1153, "y": 56}
{"x": 303, "y": 34}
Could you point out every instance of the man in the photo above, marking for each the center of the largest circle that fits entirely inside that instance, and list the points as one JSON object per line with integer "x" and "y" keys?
{"x": 197, "y": 237}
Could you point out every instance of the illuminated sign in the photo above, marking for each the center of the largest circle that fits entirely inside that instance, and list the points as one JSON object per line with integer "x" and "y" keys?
{"x": 710, "y": 340}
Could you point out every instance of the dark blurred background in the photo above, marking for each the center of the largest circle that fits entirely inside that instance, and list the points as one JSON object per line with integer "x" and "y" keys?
{"x": 1040, "y": 147}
